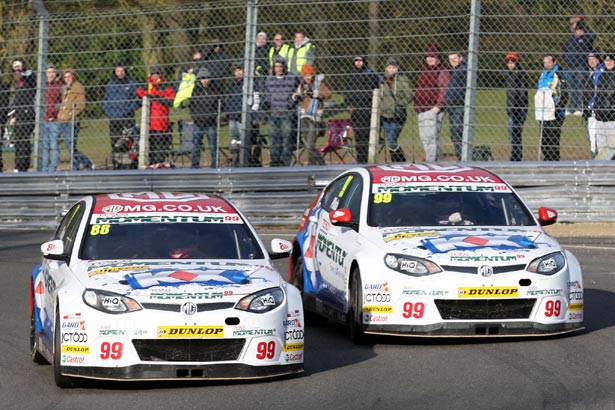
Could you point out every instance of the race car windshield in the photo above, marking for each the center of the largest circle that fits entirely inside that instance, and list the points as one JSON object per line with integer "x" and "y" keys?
{"x": 170, "y": 241}
{"x": 447, "y": 208}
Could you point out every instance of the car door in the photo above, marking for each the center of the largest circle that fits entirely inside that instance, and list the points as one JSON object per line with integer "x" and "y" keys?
{"x": 54, "y": 272}
{"x": 335, "y": 244}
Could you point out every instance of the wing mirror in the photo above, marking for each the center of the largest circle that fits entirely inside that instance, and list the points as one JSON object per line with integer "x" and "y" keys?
{"x": 343, "y": 217}
{"x": 54, "y": 250}
{"x": 280, "y": 248}
{"x": 547, "y": 216}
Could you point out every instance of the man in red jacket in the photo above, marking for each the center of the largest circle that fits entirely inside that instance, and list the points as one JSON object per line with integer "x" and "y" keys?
{"x": 161, "y": 95}
{"x": 429, "y": 100}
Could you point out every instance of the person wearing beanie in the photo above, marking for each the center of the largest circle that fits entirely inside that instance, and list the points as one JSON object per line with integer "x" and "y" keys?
{"x": 596, "y": 67}
{"x": 429, "y": 101}
{"x": 73, "y": 104}
{"x": 310, "y": 94}
{"x": 455, "y": 99}
{"x": 120, "y": 103}
{"x": 395, "y": 94}
{"x": 51, "y": 132}
{"x": 261, "y": 54}
{"x": 574, "y": 52}
{"x": 204, "y": 113}
{"x": 23, "y": 117}
{"x": 604, "y": 109}
{"x": 161, "y": 95}
{"x": 516, "y": 104}
{"x": 358, "y": 95}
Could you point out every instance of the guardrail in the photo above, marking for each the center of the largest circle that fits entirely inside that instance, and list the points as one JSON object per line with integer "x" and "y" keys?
{"x": 581, "y": 191}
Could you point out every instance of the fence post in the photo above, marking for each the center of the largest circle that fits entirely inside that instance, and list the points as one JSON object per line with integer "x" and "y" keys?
{"x": 470, "y": 100}
{"x": 41, "y": 81}
{"x": 248, "y": 78}
{"x": 144, "y": 137}
{"x": 374, "y": 128}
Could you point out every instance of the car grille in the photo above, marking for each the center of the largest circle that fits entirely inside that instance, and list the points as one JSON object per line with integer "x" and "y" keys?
{"x": 474, "y": 269}
{"x": 485, "y": 309}
{"x": 201, "y": 307}
{"x": 188, "y": 350}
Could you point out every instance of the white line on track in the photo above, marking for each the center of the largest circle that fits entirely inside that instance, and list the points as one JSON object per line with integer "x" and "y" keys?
{"x": 589, "y": 247}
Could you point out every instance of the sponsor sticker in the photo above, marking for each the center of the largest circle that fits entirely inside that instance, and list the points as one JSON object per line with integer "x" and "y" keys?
{"x": 377, "y": 309}
{"x": 575, "y": 306}
{"x": 176, "y": 332}
{"x": 293, "y": 347}
{"x": 489, "y": 292}
{"x": 72, "y": 349}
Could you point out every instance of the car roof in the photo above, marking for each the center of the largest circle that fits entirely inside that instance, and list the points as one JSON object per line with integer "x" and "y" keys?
{"x": 420, "y": 173}
{"x": 141, "y": 203}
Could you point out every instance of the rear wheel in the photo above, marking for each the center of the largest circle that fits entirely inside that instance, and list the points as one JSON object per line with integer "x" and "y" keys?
{"x": 61, "y": 380}
{"x": 355, "y": 311}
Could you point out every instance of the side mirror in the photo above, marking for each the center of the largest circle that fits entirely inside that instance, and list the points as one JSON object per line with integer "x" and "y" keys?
{"x": 54, "y": 250}
{"x": 280, "y": 248}
{"x": 547, "y": 216}
{"x": 342, "y": 217}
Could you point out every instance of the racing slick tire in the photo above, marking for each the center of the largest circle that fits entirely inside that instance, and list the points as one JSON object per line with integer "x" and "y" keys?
{"x": 297, "y": 281}
{"x": 37, "y": 357}
{"x": 61, "y": 380}
{"x": 355, "y": 311}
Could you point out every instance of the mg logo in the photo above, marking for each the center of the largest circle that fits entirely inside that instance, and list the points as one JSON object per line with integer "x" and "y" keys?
{"x": 485, "y": 271}
{"x": 188, "y": 308}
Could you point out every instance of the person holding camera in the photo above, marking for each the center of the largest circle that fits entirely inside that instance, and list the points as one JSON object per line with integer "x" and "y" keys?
{"x": 310, "y": 94}
{"x": 396, "y": 95}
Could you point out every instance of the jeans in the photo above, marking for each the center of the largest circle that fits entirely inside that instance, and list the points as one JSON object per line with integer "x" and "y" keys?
{"x": 549, "y": 140}
{"x": 69, "y": 136}
{"x": 576, "y": 84}
{"x": 280, "y": 130}
{"x": 515, "y": 136}
{"x": 50, "y": 146}
{"x": 309, "y": 134}
{"x": 455, "y": 120}
{"x": 392, "y": 129}
{"x": 197, "y": 139}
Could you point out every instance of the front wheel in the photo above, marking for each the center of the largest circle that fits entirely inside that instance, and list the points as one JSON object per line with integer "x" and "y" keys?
{"x": 355, "y": 311}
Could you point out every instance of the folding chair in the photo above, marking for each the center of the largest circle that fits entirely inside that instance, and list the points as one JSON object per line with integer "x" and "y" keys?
{"x": 339, "y": 141}
{"x": 186, "y": 144}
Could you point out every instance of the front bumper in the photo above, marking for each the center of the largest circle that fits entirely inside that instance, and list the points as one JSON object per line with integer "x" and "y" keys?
{"x": 482, "y": 329}
{"x": 141, "y": 372}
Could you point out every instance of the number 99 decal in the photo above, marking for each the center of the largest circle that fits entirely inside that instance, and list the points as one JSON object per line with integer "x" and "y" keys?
{"x": 553, "y": 308}
{"x": 414, "y": 310}
{"x": 265, "y": 350}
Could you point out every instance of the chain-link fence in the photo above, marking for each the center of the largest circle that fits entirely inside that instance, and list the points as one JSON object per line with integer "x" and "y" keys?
{"x": 479, "y": 120}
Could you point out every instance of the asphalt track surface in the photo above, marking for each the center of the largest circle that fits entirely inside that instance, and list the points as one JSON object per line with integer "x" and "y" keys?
{"x": 571, "y": 372}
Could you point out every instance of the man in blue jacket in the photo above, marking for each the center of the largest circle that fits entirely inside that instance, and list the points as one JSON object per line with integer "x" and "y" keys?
{"x": 555, "y": 81}
{"x": 120, "y": 102}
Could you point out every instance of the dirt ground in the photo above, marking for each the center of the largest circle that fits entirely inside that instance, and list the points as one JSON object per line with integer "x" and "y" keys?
{"x": 575, "y": 230}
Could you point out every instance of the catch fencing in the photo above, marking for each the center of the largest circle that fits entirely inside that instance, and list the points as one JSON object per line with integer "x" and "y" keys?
{"x": 140, "y": 34}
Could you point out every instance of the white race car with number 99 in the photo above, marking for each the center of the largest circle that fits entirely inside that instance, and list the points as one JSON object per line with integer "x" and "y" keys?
{"x": 433, "y": 250}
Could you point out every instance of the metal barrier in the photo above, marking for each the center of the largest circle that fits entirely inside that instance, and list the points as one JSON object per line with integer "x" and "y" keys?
{"x": 581, "y": 191}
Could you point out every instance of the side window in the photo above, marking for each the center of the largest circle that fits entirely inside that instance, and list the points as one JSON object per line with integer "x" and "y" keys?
{"x": 335, "y": 192}
{"x": 67, "y": 231}
{"x": 352, "y": 198}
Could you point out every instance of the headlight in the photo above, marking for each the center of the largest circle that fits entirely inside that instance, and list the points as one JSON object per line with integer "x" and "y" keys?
{"x": 109, "y": 302}
{"x": 262, "y": 301}
{"x": 548, "y": 264}
{"x": 410, "y": 265}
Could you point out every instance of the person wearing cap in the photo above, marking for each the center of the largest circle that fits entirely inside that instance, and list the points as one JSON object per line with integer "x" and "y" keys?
{"x": 358, "y": 94}
{"x": 278, "y": 91}
{"x": 73, "y": 104}
{"x": 161, "y": 95}
{"x": 204, "y": 112}
{"x": 604, "y": 109}
{"x": 395, "y": 94}
{"x": 310, "y": 93}
{"x": 120, "y": 103}
{"x": 51, "y": 132}
{"x": 574, "y": 53}
{"x": 429, "y": 101}
{"x": 552, "y": 85}
{"x": 23, "y": 115}
{"x": 278, "y": 49}
{"x": 455, "y": 99}
{"x": 596, "y": 67}
{"x": 303, "y": 51}
{"x": 516, "y": 104}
